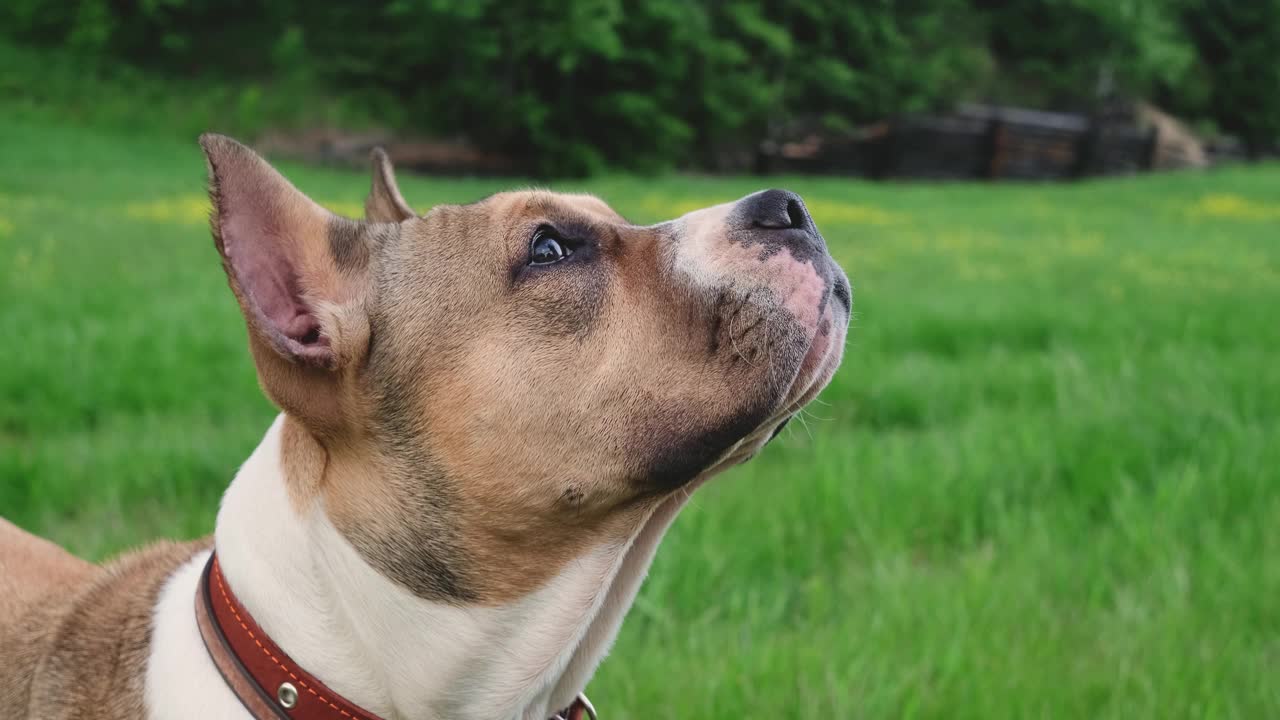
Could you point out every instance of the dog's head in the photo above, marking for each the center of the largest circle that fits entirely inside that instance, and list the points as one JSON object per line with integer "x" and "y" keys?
{"x": 499, "y": 385}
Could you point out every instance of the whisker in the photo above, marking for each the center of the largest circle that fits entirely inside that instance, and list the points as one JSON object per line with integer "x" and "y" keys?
{"x": 810, "y": 414}
{"x": 805, "y": 424}
{"x": 733, "y": 340}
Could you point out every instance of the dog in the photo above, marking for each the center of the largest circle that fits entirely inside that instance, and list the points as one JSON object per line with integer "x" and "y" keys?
{"x": 489, "y": 416}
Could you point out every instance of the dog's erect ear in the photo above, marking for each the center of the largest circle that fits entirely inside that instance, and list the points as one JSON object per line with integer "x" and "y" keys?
{"x": 299, "y": 272}
{"x": 385, "y": 203}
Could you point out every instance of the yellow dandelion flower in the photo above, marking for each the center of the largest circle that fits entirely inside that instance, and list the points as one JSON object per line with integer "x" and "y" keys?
{"x": 194, "y": 210}
{"x": 1083, "y": 244}
{"x": 342, "y": 207}
{"x": 180, "y": 210}
{"x": 1233, "y": 207}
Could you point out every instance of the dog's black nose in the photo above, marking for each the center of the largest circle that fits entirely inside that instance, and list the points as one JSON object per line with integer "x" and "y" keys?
{"x": 775, "y": 210}
{"x": 778, "y": 218}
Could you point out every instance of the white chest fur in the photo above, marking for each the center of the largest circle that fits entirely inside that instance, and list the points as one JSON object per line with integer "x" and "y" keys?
{"x": 394, "y": 654}
{"x": 182, "y": 681}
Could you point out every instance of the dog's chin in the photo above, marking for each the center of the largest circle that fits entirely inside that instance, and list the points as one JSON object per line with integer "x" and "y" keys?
{"x": 752, "y": 443}
{"x": 742, "y": 438}
{"x": 816, "y": 370}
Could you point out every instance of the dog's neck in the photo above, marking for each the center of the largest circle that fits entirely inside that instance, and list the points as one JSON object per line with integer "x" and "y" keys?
{"x": 400, "y": 656}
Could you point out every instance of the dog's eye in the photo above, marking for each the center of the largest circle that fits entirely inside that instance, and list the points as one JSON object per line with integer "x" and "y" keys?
{"x": 548, "y": 247}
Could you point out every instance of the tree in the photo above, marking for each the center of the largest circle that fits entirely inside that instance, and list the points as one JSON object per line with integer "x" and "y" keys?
{"x": 1237, "y": 44}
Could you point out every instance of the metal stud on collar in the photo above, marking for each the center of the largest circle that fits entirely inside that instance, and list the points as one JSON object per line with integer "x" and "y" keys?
{"x": 287, "y": 694}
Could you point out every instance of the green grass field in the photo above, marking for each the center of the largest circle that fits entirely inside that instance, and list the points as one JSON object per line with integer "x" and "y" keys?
{"x": 1045, "y": 483}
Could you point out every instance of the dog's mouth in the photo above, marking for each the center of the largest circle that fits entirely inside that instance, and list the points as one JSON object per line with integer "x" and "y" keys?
{"x": 778, "y": 430}
{"x": 825, "y": 346}
{"x": 816, "y": 370}
{"x": 818, "y": 366}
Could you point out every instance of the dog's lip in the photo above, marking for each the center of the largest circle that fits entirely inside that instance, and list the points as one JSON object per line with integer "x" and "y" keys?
{"x": 799, "y": 393}
{"x": 816, "y": 367}
{"x": 777, "y": 429}
{"x": 819, "y": 352}
{"x": 818, "y": 363}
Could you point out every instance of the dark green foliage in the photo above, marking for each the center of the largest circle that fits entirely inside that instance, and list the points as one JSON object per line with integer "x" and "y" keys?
{"x": 1068, "y": 53}
{"x": 1238, "y": 44}
{"x": 565, "y": 87}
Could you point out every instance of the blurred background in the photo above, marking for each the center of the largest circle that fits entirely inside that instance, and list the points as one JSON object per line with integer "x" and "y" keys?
{"x": 1046, "y": 481}
{"x": 581, "y": 86}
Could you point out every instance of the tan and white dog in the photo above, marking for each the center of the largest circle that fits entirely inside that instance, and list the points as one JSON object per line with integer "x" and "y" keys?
{"x": 490, "y": 415}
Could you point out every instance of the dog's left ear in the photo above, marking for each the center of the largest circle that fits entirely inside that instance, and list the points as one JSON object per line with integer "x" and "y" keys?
{"x": 301, "y": 276}
{"x": 385, "y": 203}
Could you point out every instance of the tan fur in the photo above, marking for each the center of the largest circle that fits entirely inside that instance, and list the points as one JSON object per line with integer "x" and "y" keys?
{"x": 468, "y": 421}
{"x": 80, "y": 652}
{"x": 521, "y": 520}
{"x": 34, "y": 570}
{"x": 385, "y": 203}
{"x": 304, "y": 463}
{"x": 267, "y": 204}
{"x": 474, "y": 416}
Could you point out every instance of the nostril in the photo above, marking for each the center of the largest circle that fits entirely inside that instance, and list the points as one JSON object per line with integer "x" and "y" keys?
{"x": 796, "y": 214}
{"x": 776, "y": 210}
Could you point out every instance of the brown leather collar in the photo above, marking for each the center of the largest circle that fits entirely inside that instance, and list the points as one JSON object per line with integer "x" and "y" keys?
{"x": 270, "y": 685}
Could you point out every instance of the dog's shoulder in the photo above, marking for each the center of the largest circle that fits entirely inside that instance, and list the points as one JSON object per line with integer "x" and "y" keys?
{"x": 38, "y": 581}
{"x": 34, "y": 571}
{"x": 79, "y": 644}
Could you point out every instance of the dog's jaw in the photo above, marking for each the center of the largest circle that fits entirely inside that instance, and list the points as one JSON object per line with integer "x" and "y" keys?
{"x": 383, "y": 648}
